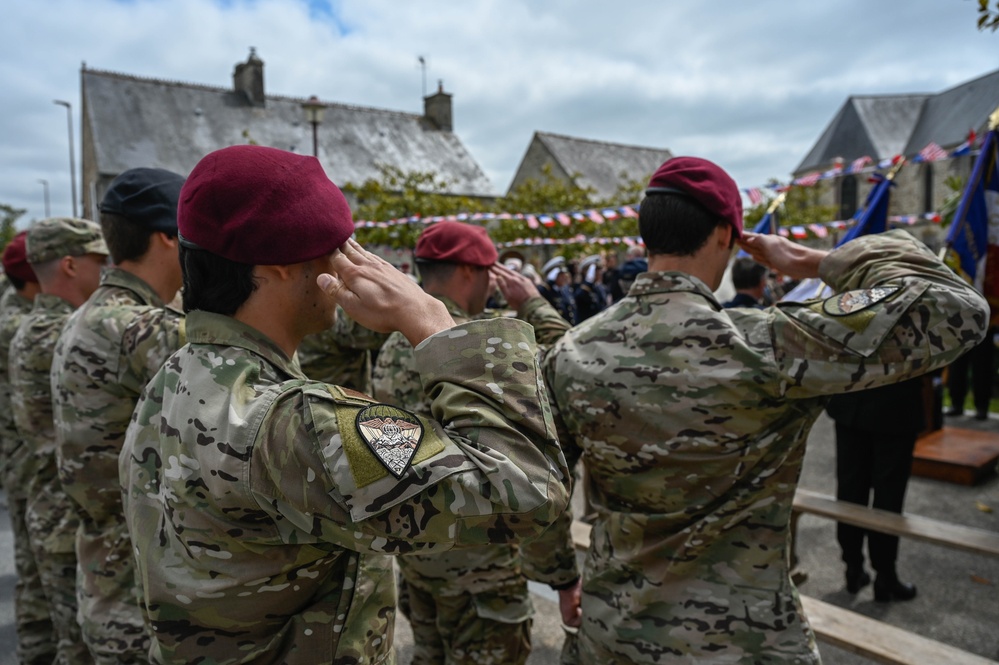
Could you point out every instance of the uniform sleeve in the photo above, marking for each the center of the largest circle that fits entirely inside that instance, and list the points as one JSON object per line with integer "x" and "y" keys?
{"x": 551, "y": 557}
{"x": 549, "y": 325}
{"x": 487, "y": 468}
{"x": 899, "y": 312}
{"x": 396, "y": 379}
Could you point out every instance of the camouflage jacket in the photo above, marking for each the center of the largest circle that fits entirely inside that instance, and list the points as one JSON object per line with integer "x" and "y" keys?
{"x": 12, "y": 309}
{"x": 108, "y": 351}
{"x": 249, "y": 490}
{"x": 692, "y": 420}
{"x": 30, "y": 361}
{"x": 481, "y": 569}
{"x": 341, "y": 355}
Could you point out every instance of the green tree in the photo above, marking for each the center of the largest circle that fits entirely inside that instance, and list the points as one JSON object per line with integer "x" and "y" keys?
{"x": 548, "y": 195}
{"x": 988, "y": 18}
{"x": 398, "y": 195}
{"x": 8, "y": 218}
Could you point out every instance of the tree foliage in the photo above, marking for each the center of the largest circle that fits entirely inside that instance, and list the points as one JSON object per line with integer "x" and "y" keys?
{"x": 801, "y": 207}
{"x": 8, "y": 218}
{"x": 988, "y": 18}
{"x": 397, "y": 195}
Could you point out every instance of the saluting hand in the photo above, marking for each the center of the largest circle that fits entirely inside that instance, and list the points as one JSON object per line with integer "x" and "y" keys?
{"x": 782, "y": 255}
{"x": 516, "y": 288}
{"x": 379, "y": 297}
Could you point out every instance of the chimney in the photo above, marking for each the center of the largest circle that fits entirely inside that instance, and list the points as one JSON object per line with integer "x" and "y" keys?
{"x": 437, "y": 108}
{"x": 248, "y": 78}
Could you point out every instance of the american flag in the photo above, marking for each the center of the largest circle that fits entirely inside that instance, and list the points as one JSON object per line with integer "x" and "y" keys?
{"x": 858, "y": 164}
{"x": 807, "y": 180}
{"x": 755, "y": 195}
{"x": 931, "y": 153}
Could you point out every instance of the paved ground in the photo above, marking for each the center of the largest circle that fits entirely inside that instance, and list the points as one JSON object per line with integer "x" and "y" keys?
{"x": 958, "y": 600}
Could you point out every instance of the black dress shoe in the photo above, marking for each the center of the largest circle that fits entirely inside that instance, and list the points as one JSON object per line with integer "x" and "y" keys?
{"x": 954, "y": 412}
{"x": 981, "y": 415}
{"x": 886, "y": 591}
{"x": 856, "y": 579}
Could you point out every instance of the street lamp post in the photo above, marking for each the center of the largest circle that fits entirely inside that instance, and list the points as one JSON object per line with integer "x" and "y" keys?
{"x": 72, "y": 160}
{"x": 45, "y": 188}
{"x": 314, "y": 110}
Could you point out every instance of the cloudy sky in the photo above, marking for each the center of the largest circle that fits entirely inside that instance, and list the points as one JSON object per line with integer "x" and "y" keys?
{"x": 750, "y": 85}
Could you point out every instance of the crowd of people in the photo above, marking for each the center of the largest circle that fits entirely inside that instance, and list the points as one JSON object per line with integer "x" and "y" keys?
{"x": 206, "y": 462}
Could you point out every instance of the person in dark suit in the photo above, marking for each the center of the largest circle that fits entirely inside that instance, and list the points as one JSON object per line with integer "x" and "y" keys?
{"x": 876, "y": 433}
{"x": 750, "y": 281}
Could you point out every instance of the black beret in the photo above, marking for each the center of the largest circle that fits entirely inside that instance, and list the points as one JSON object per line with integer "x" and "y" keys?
{"x": 147, "y": 197}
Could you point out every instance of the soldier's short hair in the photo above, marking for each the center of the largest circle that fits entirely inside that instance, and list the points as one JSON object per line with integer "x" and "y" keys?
{"x": 214, "y": 284}
{"x": 126, "y": 240}
{"x": 435, "y": 271}
{"x": 747, "y": 273}
{"x": 675, "y": 225}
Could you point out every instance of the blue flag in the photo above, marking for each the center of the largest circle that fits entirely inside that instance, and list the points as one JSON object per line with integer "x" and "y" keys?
{"x": 872, "y": 218}
{"x": 968, "y": 237}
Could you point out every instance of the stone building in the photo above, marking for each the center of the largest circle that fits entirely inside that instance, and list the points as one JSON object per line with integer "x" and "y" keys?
{"x": 130, "y": 121}
{"x": 883, "y": 126}
{"x": 586, "y": 163}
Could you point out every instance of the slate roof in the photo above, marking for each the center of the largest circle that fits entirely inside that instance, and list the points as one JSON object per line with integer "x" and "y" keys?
{"x": 882, "y": 126}
{"x": 139, "y": 121}
{"x": 599, "y": 163}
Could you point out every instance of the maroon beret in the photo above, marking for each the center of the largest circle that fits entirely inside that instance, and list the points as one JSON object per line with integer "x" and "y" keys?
{"x": 262, "y": 206}
{"x": 704, "y": 182}
{"x": 455, "y": 242}
{"x": 15, "y": 259}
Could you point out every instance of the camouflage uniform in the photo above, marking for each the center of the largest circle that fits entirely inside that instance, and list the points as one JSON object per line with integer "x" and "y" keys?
{"x": 341, "y": 355}
{"x": 470, "y": 605}
{"x": 692, "y": 422}
{"x": 35, "y": 639}
{"x": 51, "y": 518}
{"x": 247, "y": 527}
{"x": 109, "y": 350}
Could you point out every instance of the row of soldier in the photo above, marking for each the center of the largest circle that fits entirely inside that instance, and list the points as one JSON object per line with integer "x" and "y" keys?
{"x": 212, "y": 483}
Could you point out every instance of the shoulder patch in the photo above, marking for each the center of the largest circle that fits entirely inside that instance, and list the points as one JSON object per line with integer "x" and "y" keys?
{"x": 392, "y": 434}
{"x": 851, "y": 302}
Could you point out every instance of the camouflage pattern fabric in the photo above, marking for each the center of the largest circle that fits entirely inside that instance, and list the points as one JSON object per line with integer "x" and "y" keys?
{"x": 692, "y": 421}
{"x": 36, "y": 643}
{"x": 470, "y": 605}
{"x": 341, "y": 355}
{"x": 50, "y": 516}
{"x": 108, "y": 351}
{"x": 55, "y": 237}
{"x": 250, "y": 490}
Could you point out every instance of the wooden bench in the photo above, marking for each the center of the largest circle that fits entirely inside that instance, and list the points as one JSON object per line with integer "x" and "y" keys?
{"x": 878, "y": 641}
{"x": 928, "y": 530}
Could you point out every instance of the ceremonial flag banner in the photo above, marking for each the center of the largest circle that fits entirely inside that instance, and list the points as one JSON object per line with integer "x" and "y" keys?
{"x": 973, "y": 240}
{"x": 755, "y": 195}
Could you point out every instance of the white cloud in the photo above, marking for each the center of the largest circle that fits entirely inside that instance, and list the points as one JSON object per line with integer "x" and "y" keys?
{"x": 750, "y": 85}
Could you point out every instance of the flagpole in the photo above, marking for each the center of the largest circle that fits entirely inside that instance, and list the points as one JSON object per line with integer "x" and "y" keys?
{"x": 772, "y": 208}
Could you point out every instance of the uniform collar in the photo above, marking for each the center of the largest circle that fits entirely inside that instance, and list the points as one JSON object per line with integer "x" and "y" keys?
{"x": 50, "y": 303}
{"x": 649, "y": 283}
{"x": 452, "y": 307}
{"x": 126, "y": 280}
{"x": 221, "y": 330}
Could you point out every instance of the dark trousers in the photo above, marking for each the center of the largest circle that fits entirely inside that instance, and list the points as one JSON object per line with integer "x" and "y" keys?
{"x": 979, "y": 361}
{"x": 869, "y": 462}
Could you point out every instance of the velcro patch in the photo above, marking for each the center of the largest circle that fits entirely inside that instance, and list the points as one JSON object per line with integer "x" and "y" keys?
{"x": 851, "y": 302}
{"x": 392, "y": 434}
